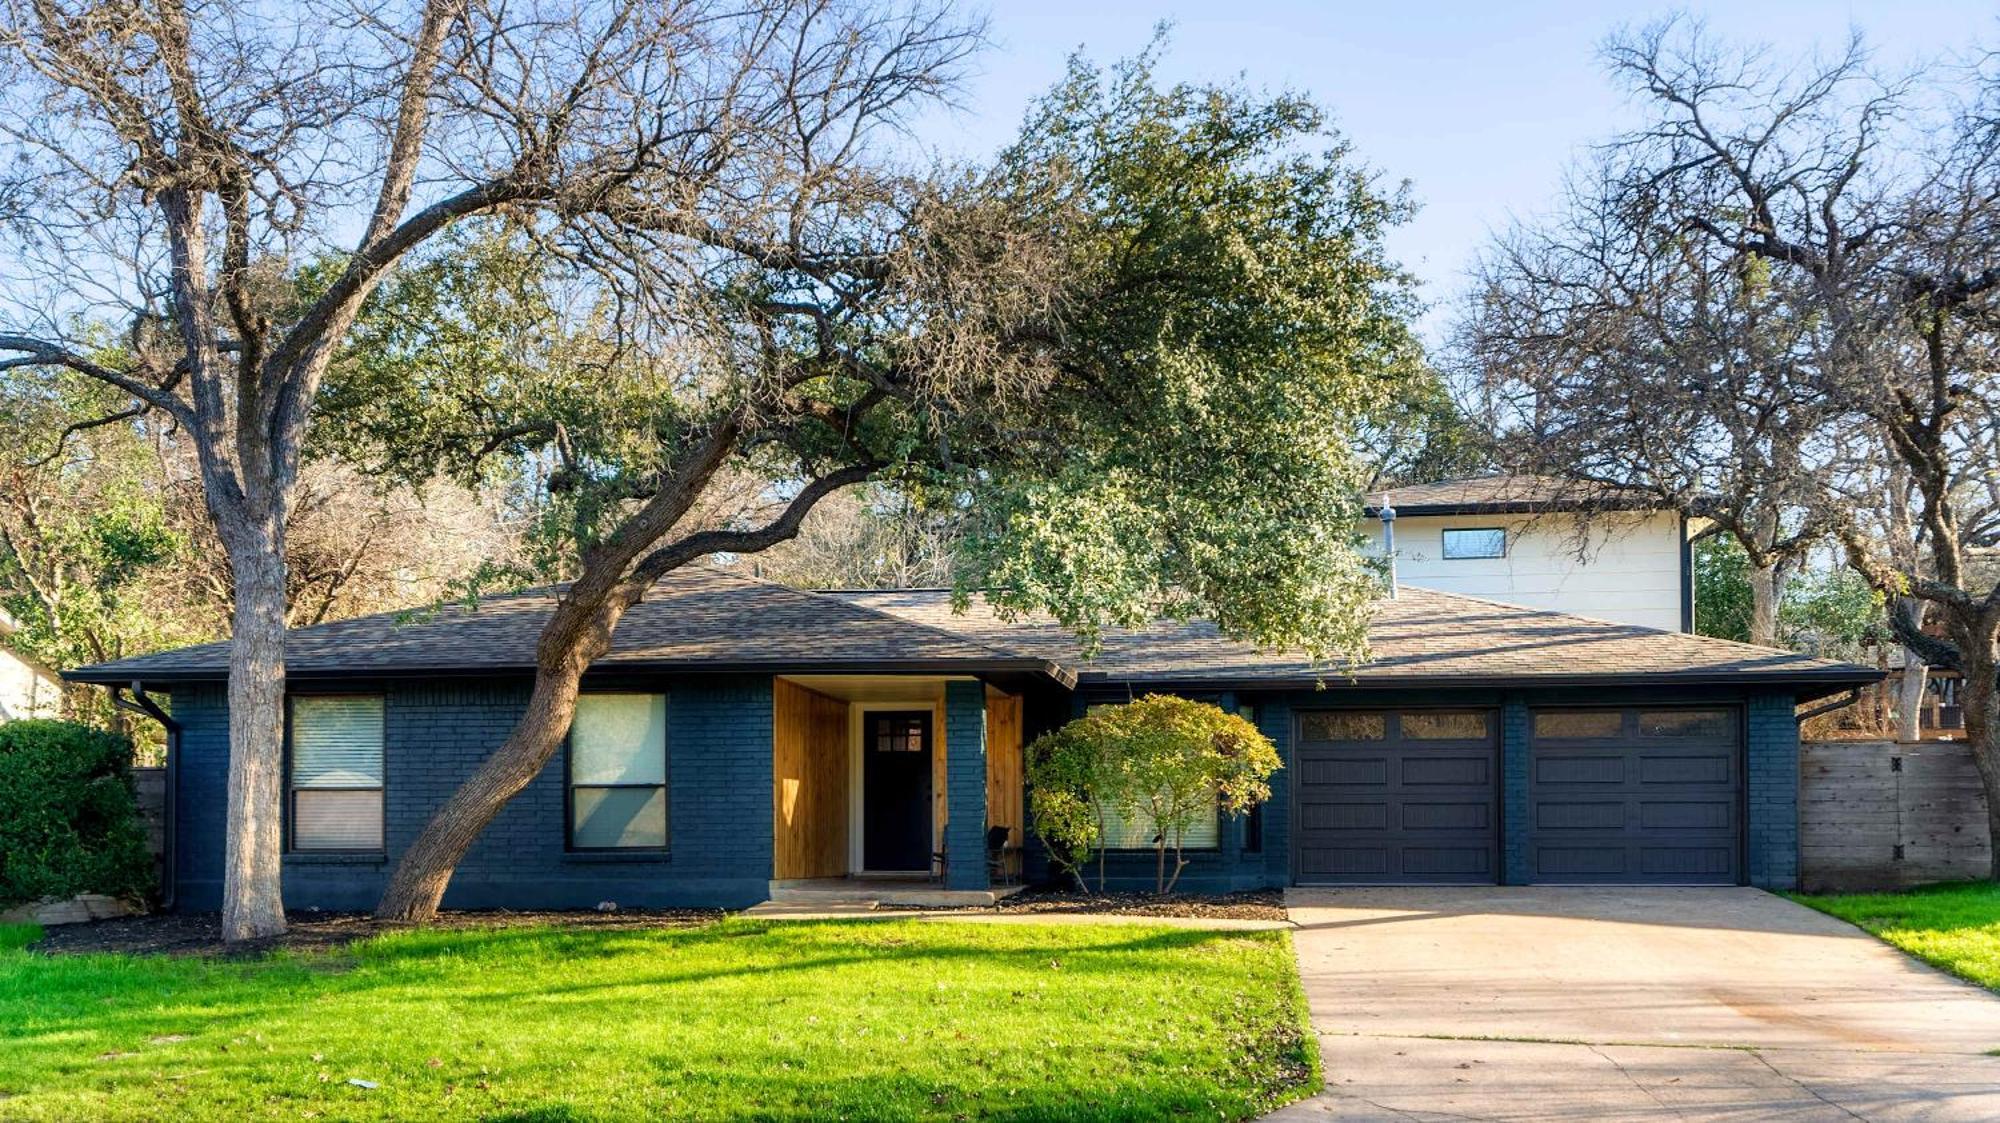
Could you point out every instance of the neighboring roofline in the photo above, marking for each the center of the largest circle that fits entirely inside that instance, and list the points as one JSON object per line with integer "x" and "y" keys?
{"x": 105, "y": 675}
{"x": 1519, "y": 507}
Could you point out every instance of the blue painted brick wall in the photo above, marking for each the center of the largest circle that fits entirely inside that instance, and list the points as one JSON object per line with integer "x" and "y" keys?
{"x": 1516, "y": 867}
{"x": 719, "y": 804}
{"x": 1772, "y": 795}
{"x": 965, "y": 785}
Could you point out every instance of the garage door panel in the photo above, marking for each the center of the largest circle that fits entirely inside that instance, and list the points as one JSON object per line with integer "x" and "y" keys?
{"x": 1561, "y": 815}
{"x": 1466, "y": 771}
{"x": 1688, "y": 815}
{"x": 1687, "y": 861}
{"x": 1344, "y": 816}
{"x": 1447, "y": 816}
{"x": 1574, "y": 769}
{"x": 1659, "y": 804}
{"x": 1660, "y": 769}
{"x": 1359, "y": 771}
{"x": 1455, "y": 861}
{"x": 1408, "y": 798}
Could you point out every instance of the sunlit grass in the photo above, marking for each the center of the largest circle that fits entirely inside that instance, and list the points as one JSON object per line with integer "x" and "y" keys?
{"x": 1953, "y": 927}
{"x": 735, "y": 1020}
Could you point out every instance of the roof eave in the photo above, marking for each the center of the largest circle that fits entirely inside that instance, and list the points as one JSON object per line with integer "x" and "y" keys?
{"x": 1814, "y": 683}
{"x": 110, "y": 674}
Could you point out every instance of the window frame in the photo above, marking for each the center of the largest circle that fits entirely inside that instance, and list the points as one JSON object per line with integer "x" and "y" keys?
{"x": 665, "y": 785}
{"x": 1444, "y": 543}
{"x": 291, "y": 816}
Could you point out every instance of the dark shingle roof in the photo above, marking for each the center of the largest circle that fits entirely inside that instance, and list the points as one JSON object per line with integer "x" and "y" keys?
{"x": 695, "y": 618}
{"x": 1502, "y": 494}
{"x": 701, "y": 619}
{"x": 1420, "y": 636}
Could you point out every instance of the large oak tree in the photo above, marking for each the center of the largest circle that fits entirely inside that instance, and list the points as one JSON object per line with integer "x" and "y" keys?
{"x": 1127, "y": 359}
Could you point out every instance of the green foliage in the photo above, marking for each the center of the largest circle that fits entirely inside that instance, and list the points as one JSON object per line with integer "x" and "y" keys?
{"x": 68, "y": 824}
{"x": 1827, "y": 612}
{"x": 1163, "y": 762}
{"x": 737, "y": 1020}
{"x": 1231, "y": 318}
{"x": 1722, "y": 599}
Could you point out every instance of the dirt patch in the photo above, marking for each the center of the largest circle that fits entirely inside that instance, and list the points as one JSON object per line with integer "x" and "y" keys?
{"x": 1256, "y": 904}
{"x": 200, "y": 934}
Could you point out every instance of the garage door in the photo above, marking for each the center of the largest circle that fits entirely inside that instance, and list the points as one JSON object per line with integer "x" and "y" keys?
{"x": 1396, "y": 797}
{"x": 1635, "y": 795}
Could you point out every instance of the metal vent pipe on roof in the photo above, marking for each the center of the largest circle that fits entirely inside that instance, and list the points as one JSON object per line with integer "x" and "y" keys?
{"x": 1389, "y": 544}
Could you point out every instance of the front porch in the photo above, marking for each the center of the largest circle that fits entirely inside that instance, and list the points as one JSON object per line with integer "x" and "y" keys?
{"x": 885, "y": 787}
{"x": 862, "y": 892}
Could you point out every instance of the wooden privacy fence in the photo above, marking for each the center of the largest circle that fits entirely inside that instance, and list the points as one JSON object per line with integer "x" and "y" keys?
{"x": 1889, "y": 815}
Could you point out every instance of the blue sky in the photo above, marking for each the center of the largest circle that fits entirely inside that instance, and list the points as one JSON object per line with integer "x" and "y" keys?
{"x": 1479, "y": 105}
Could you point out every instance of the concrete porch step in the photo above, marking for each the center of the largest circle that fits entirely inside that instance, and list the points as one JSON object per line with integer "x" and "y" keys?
{"x": 871, "y": 894}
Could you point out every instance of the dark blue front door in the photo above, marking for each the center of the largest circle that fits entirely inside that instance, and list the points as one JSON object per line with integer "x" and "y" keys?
{"x": 896, "y": 790}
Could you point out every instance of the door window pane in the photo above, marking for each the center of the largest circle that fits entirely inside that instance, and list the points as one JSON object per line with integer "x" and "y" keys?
{"x": 1684, "y": 723}
{"x": 1344, "y": 727}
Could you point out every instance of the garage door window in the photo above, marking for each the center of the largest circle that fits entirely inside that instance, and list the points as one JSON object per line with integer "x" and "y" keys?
{"x": 1430, "y": 726}
{"x": 1684, "y": 723}
{"x": 1344, "y": 727}
{"x": 1578, "y": 725}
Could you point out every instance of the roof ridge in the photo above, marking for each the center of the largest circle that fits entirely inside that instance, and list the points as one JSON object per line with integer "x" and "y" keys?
{"x": 876, "y": 613}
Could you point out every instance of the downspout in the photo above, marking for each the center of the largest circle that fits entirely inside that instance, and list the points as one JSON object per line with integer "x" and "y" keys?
{"x": 143, "y": 703}
{"x": 1389, "y": 543}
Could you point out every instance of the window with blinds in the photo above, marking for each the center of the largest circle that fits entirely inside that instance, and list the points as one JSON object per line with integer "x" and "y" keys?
{"x": 1134, "y": 834}
{"x": 618, "y": 772}
{"x": 336, "y": 772}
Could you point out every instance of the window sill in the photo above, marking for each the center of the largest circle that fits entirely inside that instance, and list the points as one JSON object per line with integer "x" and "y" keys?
{"x": 616, "y": 857}
{"x": 334, "y": 858}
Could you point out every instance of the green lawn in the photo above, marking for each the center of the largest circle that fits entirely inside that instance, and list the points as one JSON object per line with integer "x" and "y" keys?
{"x": 1953, "y": 927}
{"x": 739, "y": 1019}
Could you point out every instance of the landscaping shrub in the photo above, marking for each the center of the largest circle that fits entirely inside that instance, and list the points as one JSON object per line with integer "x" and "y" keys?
{"x": 68, "y": 823}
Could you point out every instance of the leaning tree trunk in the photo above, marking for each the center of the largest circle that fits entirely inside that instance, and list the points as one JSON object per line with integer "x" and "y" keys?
{"x": 575, "y": 638}
{"x": 252, "y": 886}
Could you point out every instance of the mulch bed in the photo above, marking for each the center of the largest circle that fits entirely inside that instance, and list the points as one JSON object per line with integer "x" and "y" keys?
{"x": 200, "y": 934}
{"x": 1255, "y": 904}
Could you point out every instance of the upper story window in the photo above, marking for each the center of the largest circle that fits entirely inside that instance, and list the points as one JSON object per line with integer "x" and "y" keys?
{"x": 618, "y": 772}
{"x": 1470, "y": 542}
{"x": 336, "y": 772}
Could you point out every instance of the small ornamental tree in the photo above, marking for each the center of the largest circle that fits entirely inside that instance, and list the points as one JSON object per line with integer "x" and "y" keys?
{"x": 1066, "y": 769}
{"x": 1162, "y": 763}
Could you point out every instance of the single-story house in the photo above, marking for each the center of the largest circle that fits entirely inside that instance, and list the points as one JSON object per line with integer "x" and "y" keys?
{"x": 743, "y": 736}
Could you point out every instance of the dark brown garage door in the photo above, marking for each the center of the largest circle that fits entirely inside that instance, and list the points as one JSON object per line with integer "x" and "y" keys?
{"x": 1636, "y": 795}
{"x": 1396, "y": 797}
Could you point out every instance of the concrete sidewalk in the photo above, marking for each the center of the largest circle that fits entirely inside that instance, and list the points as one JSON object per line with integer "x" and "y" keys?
{"x": 1615, "y": 1003}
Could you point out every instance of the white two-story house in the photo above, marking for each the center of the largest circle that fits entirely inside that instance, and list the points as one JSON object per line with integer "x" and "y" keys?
{"x": 1526, "y": 540}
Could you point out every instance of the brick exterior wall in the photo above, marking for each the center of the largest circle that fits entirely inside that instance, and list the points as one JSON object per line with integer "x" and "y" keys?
{"x": 1516, "y": 860}
{"x": 1771, "y": 796}
{"x": 965, "y": 785}
{"x": 718, "y": 793}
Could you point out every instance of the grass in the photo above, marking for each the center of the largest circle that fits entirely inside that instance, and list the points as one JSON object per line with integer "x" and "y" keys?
{"x": 1953, "y": 927}
{"x": 739, "y": 1019}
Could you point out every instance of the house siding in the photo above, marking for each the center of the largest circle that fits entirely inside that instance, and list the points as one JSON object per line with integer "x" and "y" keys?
{"x": 718, "y": 777}
{"x": 719, "y": 732}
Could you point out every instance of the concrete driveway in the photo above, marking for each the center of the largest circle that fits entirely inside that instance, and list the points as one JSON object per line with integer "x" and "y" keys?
{"x": 1627, "y": 1003}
